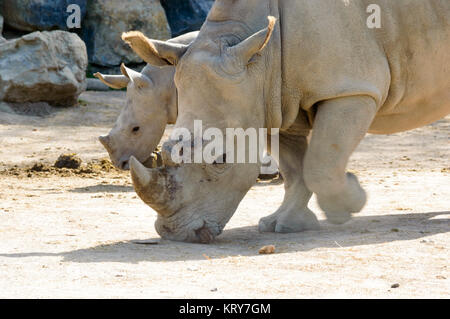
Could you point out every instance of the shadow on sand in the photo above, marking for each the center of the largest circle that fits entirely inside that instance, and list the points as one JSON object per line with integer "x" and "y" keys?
{"x": 103, "y": 188}
{"x": 245, "y": 241}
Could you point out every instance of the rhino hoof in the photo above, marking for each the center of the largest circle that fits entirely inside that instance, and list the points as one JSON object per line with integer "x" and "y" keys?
{"x": 338, "y": 218}
{"x": 289, "y": 221}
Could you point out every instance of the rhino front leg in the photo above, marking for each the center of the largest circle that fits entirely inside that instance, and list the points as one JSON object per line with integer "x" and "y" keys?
{"x": 293, "y": 215}
{"x": 339, "y": 126}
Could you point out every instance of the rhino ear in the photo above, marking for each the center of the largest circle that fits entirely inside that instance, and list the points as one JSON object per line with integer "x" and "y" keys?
{"x": 254, "y": 44}
{"x": 140, "y": 80}
{"x": 113, "y": 81}
{"x": 154, "y": 52}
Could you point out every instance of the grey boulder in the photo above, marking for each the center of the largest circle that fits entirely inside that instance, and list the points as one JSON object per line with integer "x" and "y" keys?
{"x": 43, "y": 67}
{"x": 96, "y": 85}
{"x": 106, "y": 20}
{"x": 1, "y": 29}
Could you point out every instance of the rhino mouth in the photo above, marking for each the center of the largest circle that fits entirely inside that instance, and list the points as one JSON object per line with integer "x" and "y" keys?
{"x": 125, "y": 166}
{"x": 204, "y": 235}
{"x": 198, "y": 232}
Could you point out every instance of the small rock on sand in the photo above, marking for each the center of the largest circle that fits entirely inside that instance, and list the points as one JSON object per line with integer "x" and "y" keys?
{"x": 266, "y": 250}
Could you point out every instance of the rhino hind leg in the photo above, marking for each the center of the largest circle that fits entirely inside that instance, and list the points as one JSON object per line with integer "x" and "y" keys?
{"x": 293, "y": 215}
{"x": 339, "y": 207}
{"x": 339, "y": 127}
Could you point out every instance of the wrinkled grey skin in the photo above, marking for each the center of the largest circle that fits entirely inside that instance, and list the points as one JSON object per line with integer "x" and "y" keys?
{"x": 151, "y": 105}
{"x": 319, "y": 67}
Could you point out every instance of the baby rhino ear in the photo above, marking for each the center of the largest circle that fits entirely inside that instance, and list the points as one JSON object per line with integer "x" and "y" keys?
{"x": 154, "y": 52}
{"x": 113, "y": 81}
{"x": 140, "y": 80}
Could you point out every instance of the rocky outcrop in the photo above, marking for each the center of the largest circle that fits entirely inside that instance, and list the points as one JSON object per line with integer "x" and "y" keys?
{"x": 186, "y": 15}
{"x": 107, "y": 19}
{"x": 38, "y": 15}
{"x": 43, "y": 67}
{"x": 103, "y": 22}
{"x": 1, "y": 29}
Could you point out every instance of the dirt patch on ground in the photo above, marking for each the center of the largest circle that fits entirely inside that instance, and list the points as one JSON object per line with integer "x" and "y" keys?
{"x": 67, "y": 165}
{"x": 66, "y": 168}
{"x": 68, "y": 233}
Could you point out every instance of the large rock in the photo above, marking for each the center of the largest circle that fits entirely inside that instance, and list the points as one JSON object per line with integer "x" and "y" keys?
{"x": 1, "y": 28}
{"x": 186, "y": 15}
{"x": 34, "y": 15}
{"x": 107, "y": 19}
{"x": 43, "y": 66}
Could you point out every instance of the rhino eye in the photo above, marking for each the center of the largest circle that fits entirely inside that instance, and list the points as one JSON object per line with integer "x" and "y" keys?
{"x": 136, "y": 129}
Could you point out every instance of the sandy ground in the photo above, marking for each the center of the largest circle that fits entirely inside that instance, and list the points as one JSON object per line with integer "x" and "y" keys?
{"x": 68, "y": 235}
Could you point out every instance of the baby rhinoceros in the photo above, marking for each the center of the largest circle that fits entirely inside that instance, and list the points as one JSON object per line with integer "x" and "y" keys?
{"x": 151, "y": 105}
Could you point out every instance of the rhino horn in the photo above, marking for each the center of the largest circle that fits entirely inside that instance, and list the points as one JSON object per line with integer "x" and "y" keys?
{"x": 139, "y": 173}
{"x": 149, "y": 184}
{"x": 106, "y": 142}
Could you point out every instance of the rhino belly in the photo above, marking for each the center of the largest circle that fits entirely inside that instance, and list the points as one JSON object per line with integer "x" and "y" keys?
{"x": 411, "y": 114}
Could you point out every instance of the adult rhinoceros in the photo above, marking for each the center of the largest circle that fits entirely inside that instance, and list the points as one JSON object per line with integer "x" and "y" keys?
{"x": 319, "y": 67}
{"x": 151, "y": 105}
